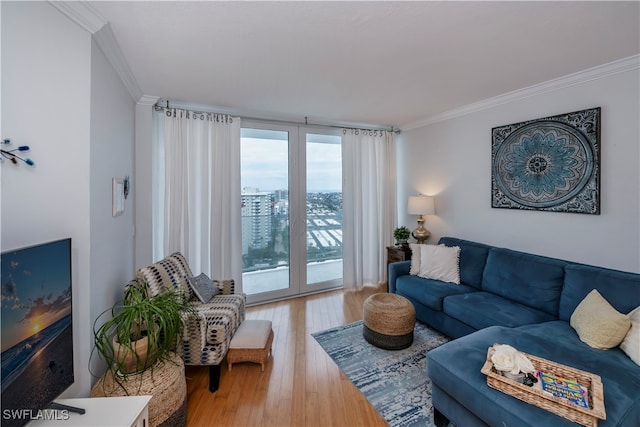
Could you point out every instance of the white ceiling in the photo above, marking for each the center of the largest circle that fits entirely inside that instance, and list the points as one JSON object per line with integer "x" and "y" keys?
{"x": 379, "y": 63}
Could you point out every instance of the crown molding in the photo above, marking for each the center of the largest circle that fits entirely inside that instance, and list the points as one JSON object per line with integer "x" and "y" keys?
{"x": 82, "y": 13}
{"x": 580, "y": 77}
{"x": 86, "y": 16}
{"x": 111, "y": 49}
{"x": 148, "y": 100}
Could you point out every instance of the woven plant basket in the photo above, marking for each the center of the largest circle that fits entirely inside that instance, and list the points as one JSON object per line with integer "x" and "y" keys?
{"x": 165, "y": 382}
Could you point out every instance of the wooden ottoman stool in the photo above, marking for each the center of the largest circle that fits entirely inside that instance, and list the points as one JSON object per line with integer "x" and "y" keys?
{"x": 389, "y": 320}
{"x": 251, "y": 343}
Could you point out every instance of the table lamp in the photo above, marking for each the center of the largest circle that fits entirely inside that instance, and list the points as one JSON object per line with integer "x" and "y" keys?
{"x": 421, "y": 205}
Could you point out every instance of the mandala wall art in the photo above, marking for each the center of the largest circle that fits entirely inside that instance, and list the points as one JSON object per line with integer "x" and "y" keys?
{"x": 550, "y": 164}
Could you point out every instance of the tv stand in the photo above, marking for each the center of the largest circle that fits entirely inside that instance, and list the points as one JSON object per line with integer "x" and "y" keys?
{"x": 124, "y": 411}
{"x": 61, "y": 407}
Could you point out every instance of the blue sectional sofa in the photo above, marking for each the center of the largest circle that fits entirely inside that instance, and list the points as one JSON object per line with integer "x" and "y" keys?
{"x": 526, "y": 301}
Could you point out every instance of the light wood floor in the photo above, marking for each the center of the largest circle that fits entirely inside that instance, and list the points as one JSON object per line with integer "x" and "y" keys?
{"x": 301, "y": 385}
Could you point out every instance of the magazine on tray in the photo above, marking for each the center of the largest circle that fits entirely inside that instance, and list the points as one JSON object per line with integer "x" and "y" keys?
{"x": 566, "y": 389}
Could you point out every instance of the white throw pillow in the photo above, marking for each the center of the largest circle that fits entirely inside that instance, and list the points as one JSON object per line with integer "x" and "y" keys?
{"x": 415, "y": 258}
{"x": 440, "y": 263}
{"x": 631, "y": 343}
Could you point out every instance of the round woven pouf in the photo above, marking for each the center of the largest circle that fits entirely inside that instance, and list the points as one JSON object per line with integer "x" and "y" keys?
{"x": 165, "y": 382}
{"x": 389, "y": 320}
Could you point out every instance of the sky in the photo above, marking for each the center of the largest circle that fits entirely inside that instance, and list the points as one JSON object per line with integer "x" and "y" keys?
{"x": 36, "y": 290}
{"x": 264, "y": 165}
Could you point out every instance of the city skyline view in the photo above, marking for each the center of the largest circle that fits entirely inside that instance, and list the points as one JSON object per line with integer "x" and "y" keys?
{"x": 265, "y": 186}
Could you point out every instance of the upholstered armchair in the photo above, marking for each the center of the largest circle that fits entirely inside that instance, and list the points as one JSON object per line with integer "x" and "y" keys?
{"x": 208, "y": 333}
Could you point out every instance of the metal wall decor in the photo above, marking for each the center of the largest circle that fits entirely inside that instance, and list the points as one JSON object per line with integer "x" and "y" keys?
{"x": 11, "y": 154}
{"x": 549, "y": 164}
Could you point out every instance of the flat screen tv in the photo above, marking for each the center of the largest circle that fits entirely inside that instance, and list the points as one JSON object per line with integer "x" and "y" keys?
{"x": 37, "y": 336}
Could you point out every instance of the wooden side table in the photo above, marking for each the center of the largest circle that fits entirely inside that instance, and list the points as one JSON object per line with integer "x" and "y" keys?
{"x": 397, "y": 253}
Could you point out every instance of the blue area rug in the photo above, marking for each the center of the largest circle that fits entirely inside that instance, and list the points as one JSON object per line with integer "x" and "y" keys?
{"x": 394, "y": 382}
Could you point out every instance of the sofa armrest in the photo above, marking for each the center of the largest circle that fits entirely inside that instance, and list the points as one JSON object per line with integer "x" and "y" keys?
{"x": 397, "y": 269}
{"x": 214, "y": 322}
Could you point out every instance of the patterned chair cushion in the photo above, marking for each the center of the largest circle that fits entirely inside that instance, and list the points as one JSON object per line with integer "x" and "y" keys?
{"x": 225, "y": 287}
{"x": 172, "y": 271}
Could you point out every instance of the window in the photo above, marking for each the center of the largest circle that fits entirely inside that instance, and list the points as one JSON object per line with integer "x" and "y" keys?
{"x": 291, "y": 197}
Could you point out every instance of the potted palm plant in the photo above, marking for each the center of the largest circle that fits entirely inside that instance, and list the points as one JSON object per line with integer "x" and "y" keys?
{"x": 142, "y": 329}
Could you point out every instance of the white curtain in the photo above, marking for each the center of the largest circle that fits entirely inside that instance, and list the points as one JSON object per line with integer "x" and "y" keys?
{"x": 369, "y": 205}
{"x": 197, "y": 192}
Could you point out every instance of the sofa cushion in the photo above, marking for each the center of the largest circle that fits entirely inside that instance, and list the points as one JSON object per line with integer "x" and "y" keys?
{"x": 459, "y": 362}
{"x": 482, "y": 309}
{"x": 473, "y": 257}
{"x": 171, "y": 272}
{"x": 429, "y": 292}
{"x": 532, "y": 280}
{"x": 620, "y": 289}
{"x": 598, "y": 324}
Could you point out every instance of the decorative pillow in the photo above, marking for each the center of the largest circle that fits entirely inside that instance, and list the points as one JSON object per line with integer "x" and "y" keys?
{"x": 203, "y": 287}
{"x": 631, "y": 343}
{"x": 440, "y": 263}
{"x": 415, "y": 258}
{"x": 598, "y": 324}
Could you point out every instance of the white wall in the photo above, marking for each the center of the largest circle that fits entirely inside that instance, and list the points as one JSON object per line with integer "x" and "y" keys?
{"x": 112, "y": 141}
{"x": 452, "y": 160}
{"x": 45, "y": 104}
{"x": 61, "y": 97}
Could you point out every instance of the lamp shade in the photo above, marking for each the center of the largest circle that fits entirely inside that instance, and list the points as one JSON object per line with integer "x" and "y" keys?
{"x": 421, "y": 205}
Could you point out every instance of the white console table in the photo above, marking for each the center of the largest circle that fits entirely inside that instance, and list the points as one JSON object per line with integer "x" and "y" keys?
{"x": 125, "y": 411}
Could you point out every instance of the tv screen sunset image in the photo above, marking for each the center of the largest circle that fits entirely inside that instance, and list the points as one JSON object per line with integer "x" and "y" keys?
{"x": 37, "y": 339}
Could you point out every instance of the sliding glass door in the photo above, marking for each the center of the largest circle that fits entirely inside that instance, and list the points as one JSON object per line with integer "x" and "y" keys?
{"x": 291, "y": 182}
{"x": 265, "y": 210}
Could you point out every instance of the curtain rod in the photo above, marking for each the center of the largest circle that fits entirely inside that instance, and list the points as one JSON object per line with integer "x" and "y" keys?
{"x": 163, "y": 104}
